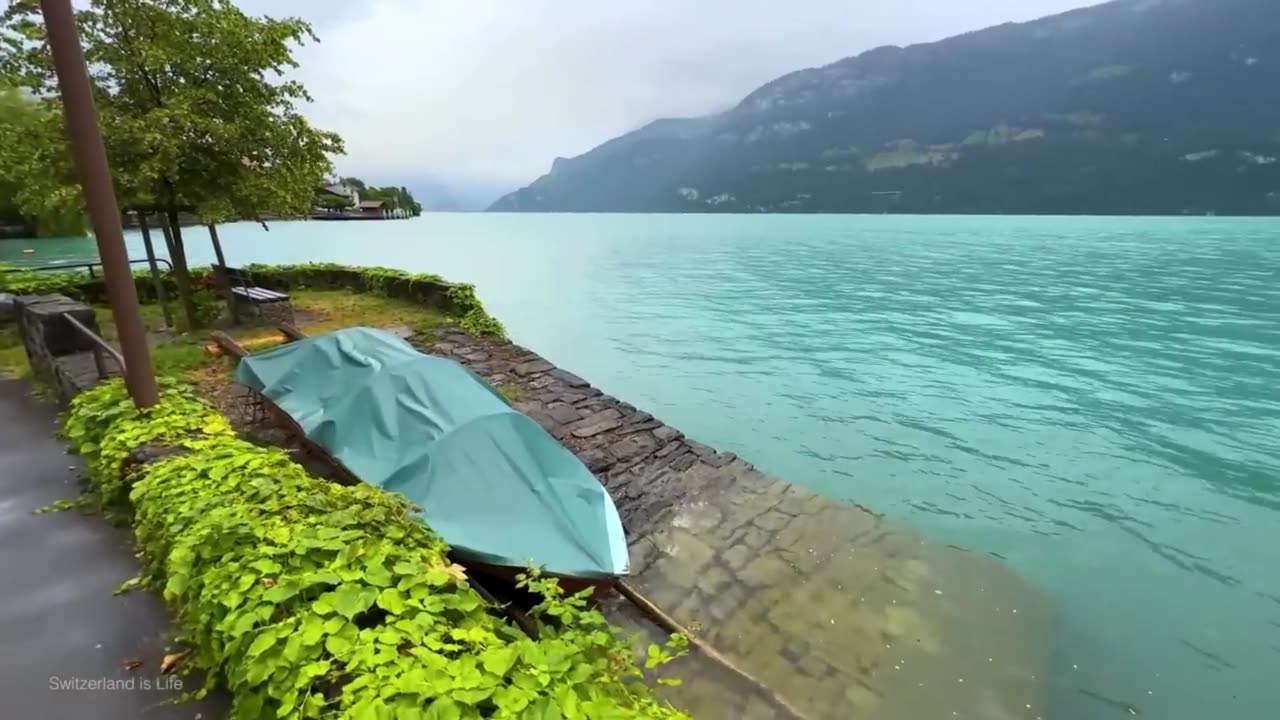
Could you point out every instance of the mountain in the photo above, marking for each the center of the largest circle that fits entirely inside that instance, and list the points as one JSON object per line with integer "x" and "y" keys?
{"x": 453, "y": 194}
{"x": 1132, "y": 107}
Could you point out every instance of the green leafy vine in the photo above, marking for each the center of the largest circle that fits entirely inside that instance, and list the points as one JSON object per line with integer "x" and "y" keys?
{"x": 472, "y": 316}
{"x": 309, "y": 599}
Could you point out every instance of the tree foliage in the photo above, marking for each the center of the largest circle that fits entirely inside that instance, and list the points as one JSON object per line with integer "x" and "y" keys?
{"x": 37, "y": 182}
{"x": 195, "y": 105}
{"x": 396, "y": 197}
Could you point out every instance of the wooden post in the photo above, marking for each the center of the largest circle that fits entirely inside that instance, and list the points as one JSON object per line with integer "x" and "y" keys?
{"x": 161, "y": 294}
{"x": 90, "y": 156}
{"x": 225, "y": 281}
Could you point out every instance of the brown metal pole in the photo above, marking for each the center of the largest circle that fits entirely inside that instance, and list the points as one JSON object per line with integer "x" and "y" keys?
{"x": 222, "y": 270}
{"x": 161, "y": 295}
{"x": 95, "y": 178}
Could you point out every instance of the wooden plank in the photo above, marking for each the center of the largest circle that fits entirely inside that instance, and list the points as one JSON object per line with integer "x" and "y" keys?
{"x": 229, "y": 346}
{"x": 259, "y": 295}
{"x": 292, "y": 332}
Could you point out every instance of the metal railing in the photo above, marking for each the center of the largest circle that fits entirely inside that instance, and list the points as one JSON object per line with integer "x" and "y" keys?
{"x": 100, "y": 346}
{"x": 73, "y": 265}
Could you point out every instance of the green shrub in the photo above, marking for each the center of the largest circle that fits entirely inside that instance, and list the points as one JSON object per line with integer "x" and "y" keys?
{"x": 209, "y": 306}
{"x": 465, "y": 309}
{"x": 41, "y": 283}
{"x": 463, "y": 305}
{"x": 309, "y": 599}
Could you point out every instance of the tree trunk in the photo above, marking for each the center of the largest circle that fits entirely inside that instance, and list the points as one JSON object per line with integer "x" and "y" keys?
{"x": 181, "y": 274}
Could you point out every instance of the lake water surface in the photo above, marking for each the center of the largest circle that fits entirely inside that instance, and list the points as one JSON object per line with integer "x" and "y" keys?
{"x": 1096, "y": 401}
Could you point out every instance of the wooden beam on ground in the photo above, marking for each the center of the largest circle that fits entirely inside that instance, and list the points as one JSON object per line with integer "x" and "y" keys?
{"x": 229, "y": 346}
{"x": 292, "y": 332}
{"x": 519, "y": 618}
{"x": 668, "y": 623}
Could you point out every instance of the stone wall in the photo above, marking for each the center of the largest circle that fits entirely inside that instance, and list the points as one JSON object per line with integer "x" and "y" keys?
{"x": 840, "y": 612}
{"x": 8, "y": 309}
{"x": 58, "y": 353}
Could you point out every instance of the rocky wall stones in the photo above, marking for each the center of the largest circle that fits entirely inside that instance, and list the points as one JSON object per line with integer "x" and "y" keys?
{"x": 839, "y": 613}
{"x": 58, "y": 352}
{"x": 641, "y": 460}
{"x": 8, "y": 308}
{"x": 46, "y": 334}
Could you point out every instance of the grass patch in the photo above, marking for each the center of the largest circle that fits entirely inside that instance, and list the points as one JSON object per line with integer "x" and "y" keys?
{"x": 513, "y": 393}
{"x": 176, "y": 355}
{"x": 329, "y": 310}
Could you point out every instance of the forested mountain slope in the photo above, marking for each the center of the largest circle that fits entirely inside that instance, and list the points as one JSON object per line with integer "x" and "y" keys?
{"x": 1135, "y": 106}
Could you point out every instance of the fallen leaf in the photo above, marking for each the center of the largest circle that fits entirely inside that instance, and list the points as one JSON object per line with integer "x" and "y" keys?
{"x": 172, "y": 661}
{"x": 130, "y": 584}
{"x": 458, "y": 572}
{"x": 132, "y": 662}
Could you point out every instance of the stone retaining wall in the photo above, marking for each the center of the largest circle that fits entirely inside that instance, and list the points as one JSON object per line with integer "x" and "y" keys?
{"x": 56, "y": 351}
{"x": 647, "y": 466}
{"x": 840, "y": 612}
{"x": 8, "y": 308}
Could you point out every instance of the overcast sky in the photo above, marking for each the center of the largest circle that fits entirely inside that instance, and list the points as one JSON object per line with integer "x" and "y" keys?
{"x": 493, "y": 90}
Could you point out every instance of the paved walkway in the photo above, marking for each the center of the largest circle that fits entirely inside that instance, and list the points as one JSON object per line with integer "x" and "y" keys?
{"x": 62, "y": 629}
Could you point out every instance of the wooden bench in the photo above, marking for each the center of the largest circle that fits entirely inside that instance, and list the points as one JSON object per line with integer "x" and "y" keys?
{"x": 239, "y": 283}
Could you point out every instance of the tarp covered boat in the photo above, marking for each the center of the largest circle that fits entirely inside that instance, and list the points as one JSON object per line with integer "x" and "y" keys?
{"x": 489, "y": 479}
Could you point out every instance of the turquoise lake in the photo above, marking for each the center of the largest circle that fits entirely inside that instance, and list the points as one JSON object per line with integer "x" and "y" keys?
{"x": 1096, "y": 401}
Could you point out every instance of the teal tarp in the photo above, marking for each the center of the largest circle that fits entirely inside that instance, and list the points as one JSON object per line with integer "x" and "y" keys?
{"x": 488, "y": 478}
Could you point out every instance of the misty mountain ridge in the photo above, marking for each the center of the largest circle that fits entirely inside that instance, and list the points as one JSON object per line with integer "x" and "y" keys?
{"x": 441, "y": 193}
{"x": 1132, "y": 107}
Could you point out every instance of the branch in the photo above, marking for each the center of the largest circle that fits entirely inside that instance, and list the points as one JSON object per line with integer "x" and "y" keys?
{"x": 149, "y": 81}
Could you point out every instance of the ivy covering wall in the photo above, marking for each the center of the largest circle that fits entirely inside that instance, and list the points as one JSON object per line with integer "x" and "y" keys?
{"x": 308, "y": 599}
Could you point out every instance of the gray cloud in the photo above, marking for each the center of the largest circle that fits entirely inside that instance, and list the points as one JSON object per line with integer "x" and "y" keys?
{"x": 493, "y": 90}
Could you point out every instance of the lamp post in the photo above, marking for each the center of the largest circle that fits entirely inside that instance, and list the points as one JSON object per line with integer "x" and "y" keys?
{"x": 95, "y": 179}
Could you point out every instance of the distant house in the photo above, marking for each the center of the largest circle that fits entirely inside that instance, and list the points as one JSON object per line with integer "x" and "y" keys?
{"x": 373, "y": 208}
{"x": 341, "y": 192}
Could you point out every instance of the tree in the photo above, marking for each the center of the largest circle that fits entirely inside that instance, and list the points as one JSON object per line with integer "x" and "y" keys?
{"x": 37, "y": 182}
{"x": 397, "y": 197}
{"x": 194, "y": 111}
{"x": 355, "y": 183}
{"x": 408, "y": 203}
{"x": 326, "y": 201}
